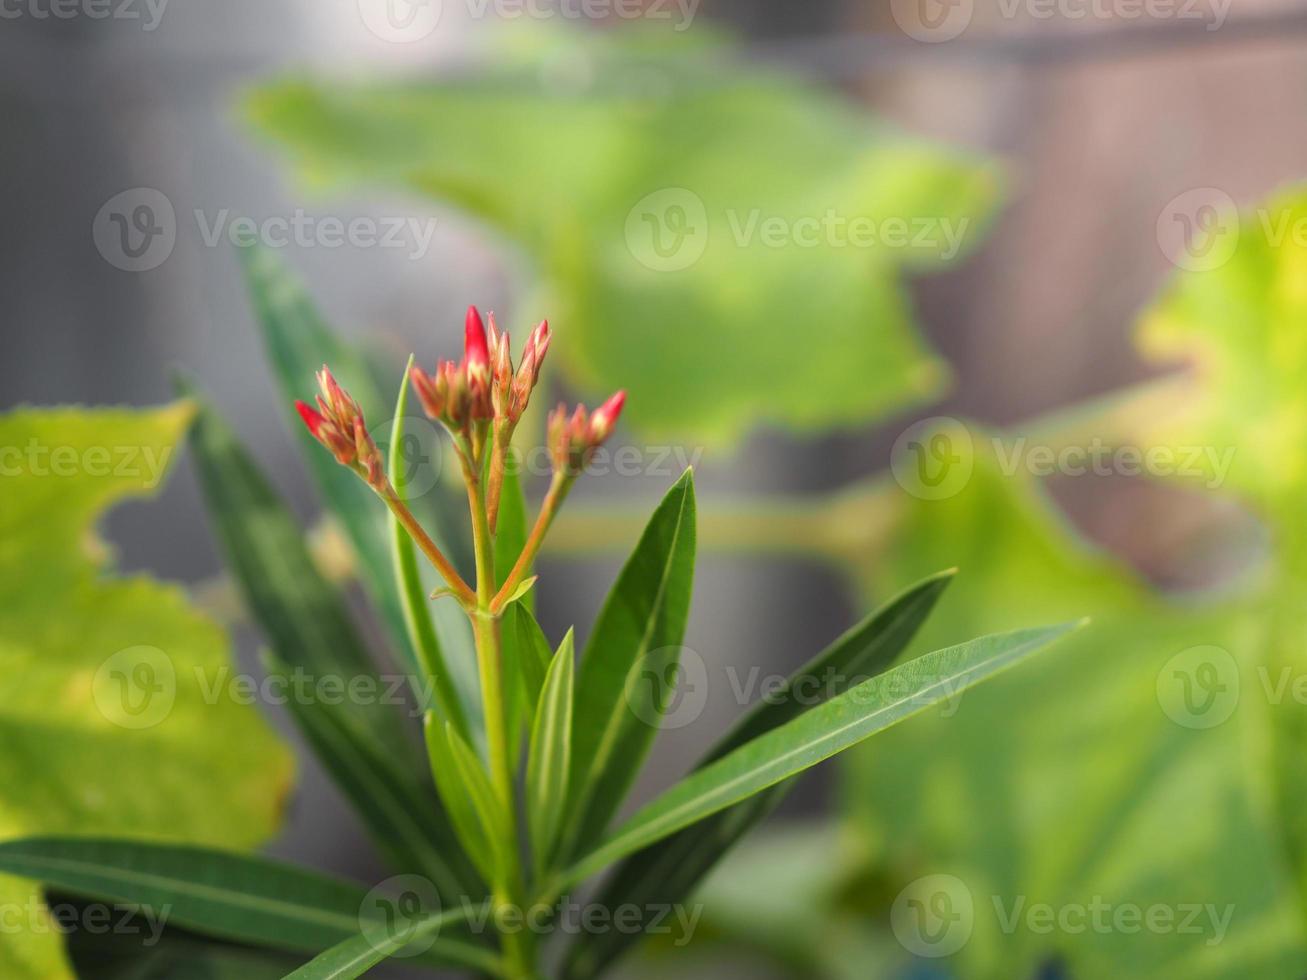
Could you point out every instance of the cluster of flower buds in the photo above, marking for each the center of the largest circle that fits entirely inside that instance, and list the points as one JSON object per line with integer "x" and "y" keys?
{"x": 574, "y": 438}
{"x": 484, "y": 385}
{"x": 338, "y": 424}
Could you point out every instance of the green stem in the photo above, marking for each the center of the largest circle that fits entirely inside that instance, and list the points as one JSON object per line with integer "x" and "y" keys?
{"x": 558, "y": 488}
{"x": 518, "y": 947}
{"x": 429, "y": 548}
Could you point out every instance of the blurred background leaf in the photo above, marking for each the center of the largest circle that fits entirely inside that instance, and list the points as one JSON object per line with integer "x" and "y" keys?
{"x": 639, "y": 175}
{"x": 109, "y": 721}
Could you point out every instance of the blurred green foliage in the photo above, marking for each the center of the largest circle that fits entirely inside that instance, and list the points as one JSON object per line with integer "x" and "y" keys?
{"x": 106, "y": 707}
{"x": 1087, "y": 777}
{"x": 701, "y": 229}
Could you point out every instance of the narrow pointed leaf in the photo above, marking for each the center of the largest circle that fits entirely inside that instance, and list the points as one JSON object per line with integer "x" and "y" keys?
{"x": 487, "y": 806}
{"x": 667, "y": 873}
{"x": 302, "y": 617}
{"x": 301, "y": 614}
{"x": 236, "y": 897}
{"x": 468, "y": 827}
{"x": 511, "y": 526}
{"x": 412, "y": 593}
{"x": 815, "y": 736}
{"x": 357, "y": 955}
{"x": 298, "y": 342}
{"x": 549, "y": 761}
{"x": 401, "y": 813}
{"x": 639, "y": 629}
{"x": 526, "y": 658}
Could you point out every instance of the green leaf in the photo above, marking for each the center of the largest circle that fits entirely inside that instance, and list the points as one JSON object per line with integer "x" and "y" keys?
{"x": 412, "y": 594}
{"x": 401, "y": 813}
{"x": 667, "y": 873}
{"x": 361, "y": 740}
{"x": 526, "y": 657}
{"x": 638, "y": 633}
{"x": 815, "y": 736}
{"x": 511, "y": 527}
{"x": 143, "y": 955}
{"x": 641, "y": 187}
{"x": 298, "y": 342}
{"x": 114, "y": 714}
{"x": 355, "y": 956}
{"x": 230, "y": 896}
{"x": 474, "y": 783}
{"x": 987, "y": 794}
{"x": 549, "y": 761}
{"x": 468, "y": 826}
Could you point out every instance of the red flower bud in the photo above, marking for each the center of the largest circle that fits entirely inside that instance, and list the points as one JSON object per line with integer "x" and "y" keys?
{"x": 474, "y": 342}
{"x": 337, "y": 423}
{"x": 601, "y": 423}
{"x": 574, "y": 438}
{"x": 312, "y": 418}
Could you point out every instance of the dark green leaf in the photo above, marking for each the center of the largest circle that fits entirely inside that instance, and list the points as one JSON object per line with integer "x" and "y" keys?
{"x": 299, "y": 342}
{"x": 815, "y": 736}
{"x": 526, "y": 658}
{"x": 230, "y": 896}
{"x": 639, "y": 630}
{"x": 355, "y": 956}
{"x": 549, "y": 761}
{"x": 303, "y": 619}
{"x": 658, "y": 877}
{"x": 403, "y": 816}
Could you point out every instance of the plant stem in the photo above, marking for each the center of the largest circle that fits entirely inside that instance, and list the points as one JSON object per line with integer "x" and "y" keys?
{"x": 518, "y": 950}
{"x": 503, "y": 435}
{"x": 558, "y": 488}
{"x": 429, "y": 548}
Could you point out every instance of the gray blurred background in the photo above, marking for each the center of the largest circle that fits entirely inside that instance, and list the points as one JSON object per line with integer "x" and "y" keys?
{"x": 1097, "y": 138}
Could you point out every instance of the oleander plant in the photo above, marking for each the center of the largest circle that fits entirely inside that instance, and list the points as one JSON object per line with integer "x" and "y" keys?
{"x": 514, "y": 805}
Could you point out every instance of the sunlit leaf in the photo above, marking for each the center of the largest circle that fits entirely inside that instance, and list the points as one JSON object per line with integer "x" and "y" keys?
{"x": 114, "y": 706}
